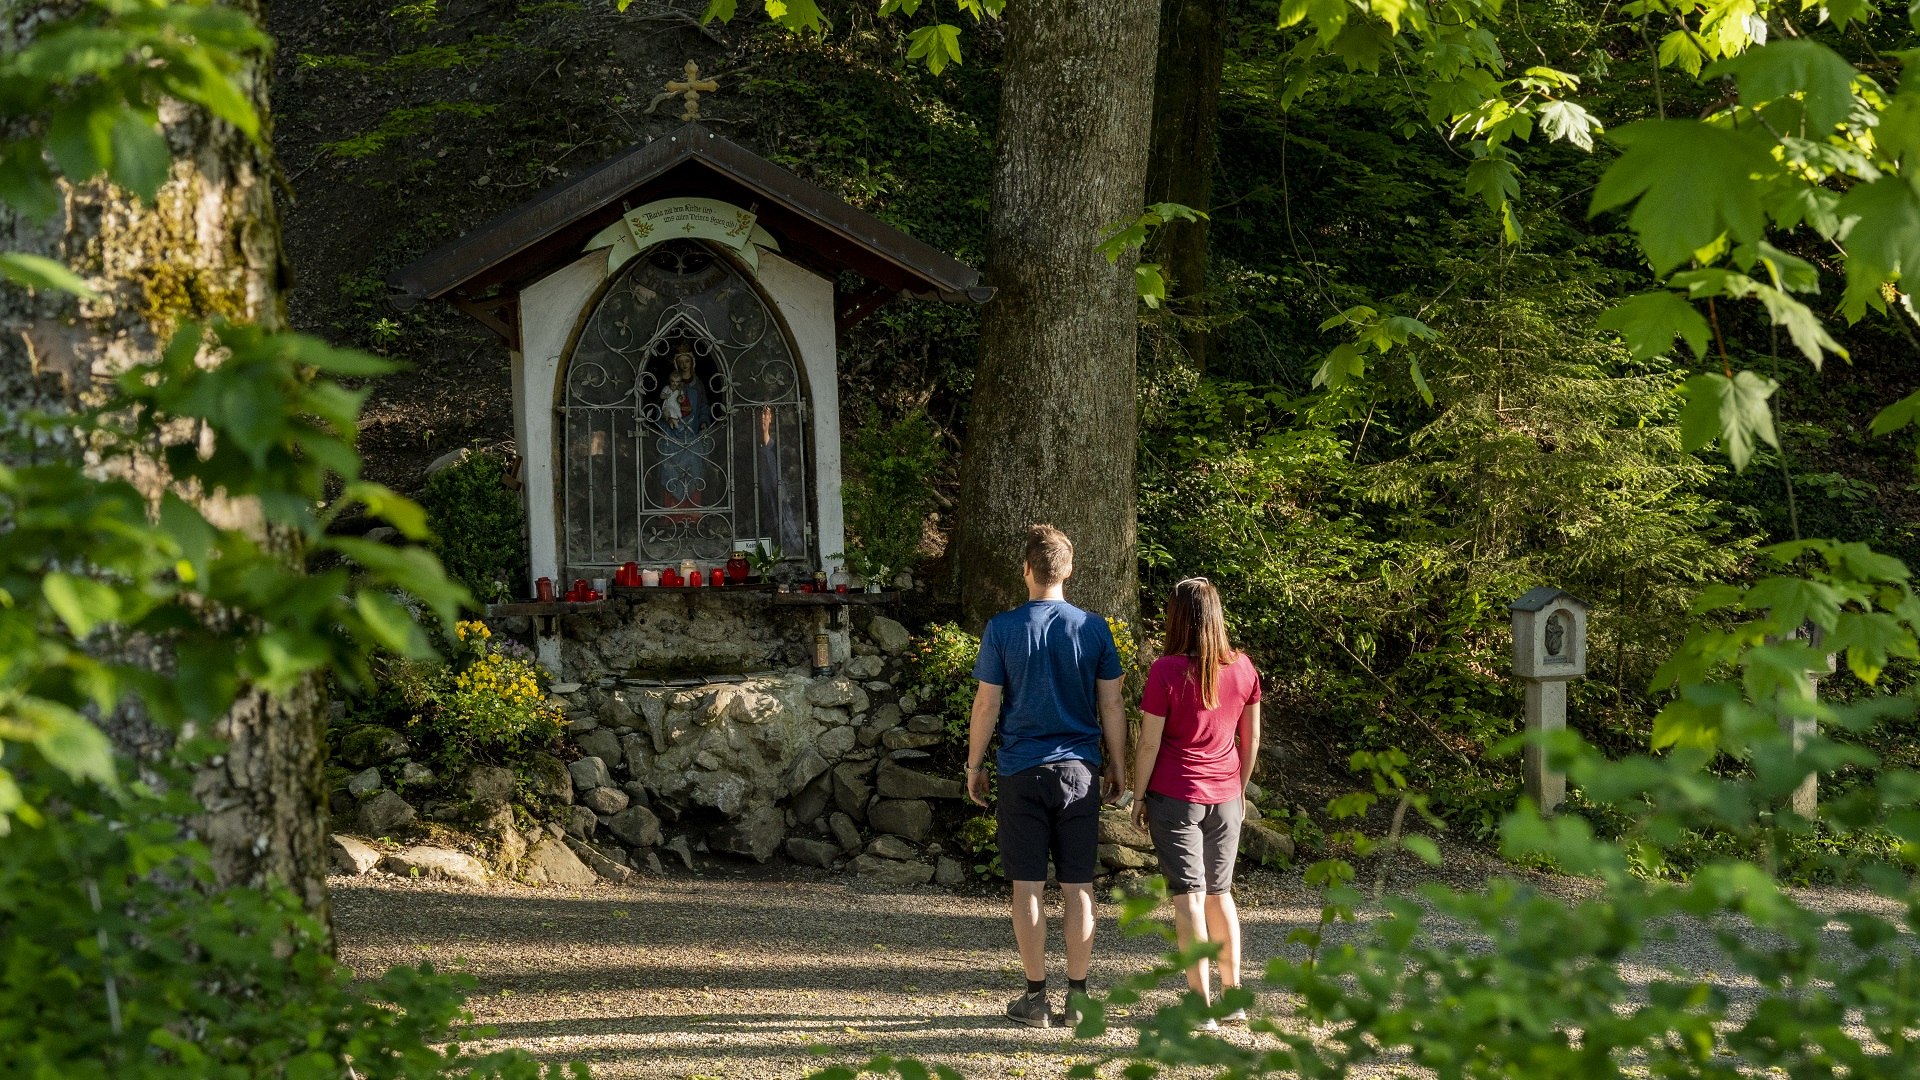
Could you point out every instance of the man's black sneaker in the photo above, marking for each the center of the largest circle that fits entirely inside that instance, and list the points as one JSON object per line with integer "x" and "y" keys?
{"x": 1076, "y": 1008}
{"x": 1031, "y": 1010}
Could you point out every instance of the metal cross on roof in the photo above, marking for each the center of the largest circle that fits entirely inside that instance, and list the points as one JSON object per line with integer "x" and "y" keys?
{"x": 692, "y": 87}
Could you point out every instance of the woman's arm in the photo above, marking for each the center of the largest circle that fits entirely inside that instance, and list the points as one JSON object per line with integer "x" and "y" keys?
{"x": 1249, "y": 743}
{"x": 1151, "y": 729}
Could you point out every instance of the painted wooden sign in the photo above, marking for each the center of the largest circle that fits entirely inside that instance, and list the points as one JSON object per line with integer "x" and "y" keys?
{"x": 668, "y": 219}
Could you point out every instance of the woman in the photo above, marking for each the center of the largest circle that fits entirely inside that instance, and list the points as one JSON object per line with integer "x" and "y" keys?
{"x": 1199, "y": 738}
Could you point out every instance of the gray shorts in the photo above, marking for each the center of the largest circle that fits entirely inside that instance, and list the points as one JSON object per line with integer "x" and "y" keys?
{"x": 1196, "y": 842}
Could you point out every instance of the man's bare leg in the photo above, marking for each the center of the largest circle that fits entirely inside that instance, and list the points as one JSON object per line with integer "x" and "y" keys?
{"x": 1189, "y": 926}
{"x": 1078, "y": 900}
{"x": 1223, "y": 926}
{"x": 1030, "y": 927}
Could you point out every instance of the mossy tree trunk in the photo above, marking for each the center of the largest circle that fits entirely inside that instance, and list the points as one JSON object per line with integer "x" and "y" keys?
{"x": 1052, "y": 426}
{"x": 1186, "y": 108}
{"x": 208, "y": 246}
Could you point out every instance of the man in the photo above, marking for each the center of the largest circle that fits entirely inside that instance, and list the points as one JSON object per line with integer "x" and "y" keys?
{"x": 1050, "y": 680}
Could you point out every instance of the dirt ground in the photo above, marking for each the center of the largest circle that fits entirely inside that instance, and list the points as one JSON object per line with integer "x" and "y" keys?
{"x": 733, "y": 975}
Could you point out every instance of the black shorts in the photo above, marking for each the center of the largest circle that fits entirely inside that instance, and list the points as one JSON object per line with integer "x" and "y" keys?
{"x": 1051, "y": 809}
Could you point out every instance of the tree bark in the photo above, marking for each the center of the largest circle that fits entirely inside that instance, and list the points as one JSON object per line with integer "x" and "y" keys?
{"x": 1186, "y": 109}
{"x": 208, "y": 246}
{"x": 1052, "y": 427}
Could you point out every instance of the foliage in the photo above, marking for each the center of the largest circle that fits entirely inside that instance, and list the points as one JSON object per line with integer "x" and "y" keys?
{"x": 939, "y": 669}
{"x": 479, "y": 526}
{"x": 980, "y": 836}
{"x": 495, "y": 706}
{"x": 121, "y": 963}
{"x": 889, "y": 490}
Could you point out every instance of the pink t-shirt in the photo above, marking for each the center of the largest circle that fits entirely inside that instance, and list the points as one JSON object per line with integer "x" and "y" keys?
{"x": 1199, "y": 757}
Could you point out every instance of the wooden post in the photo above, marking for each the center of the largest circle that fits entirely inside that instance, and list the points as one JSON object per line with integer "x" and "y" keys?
{"x": 1546, "y": 712}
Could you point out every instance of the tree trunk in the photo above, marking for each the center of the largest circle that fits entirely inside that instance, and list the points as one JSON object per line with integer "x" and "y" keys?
{"x": 1186, "y": 108}
{"x": 1052, "y": 426}
{"x": 208, "y": 246}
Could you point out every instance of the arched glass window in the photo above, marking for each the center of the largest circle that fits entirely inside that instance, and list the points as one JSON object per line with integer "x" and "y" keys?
{"x": 683, "y": 419}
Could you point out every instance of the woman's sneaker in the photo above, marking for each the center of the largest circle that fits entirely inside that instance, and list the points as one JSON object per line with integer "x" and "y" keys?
{"x": 1237, "y": 1016}
{"x": 1032, "y": 1010}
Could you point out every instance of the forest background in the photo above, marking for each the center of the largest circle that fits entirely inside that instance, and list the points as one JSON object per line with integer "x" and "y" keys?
{"x": 1367, "y": 526}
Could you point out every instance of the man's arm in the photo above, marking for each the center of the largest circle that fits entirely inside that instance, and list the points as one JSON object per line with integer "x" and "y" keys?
{"x": 1249, "y": 743}
{"x": 1113, "y": 726}
{"x": 986, "y": 715}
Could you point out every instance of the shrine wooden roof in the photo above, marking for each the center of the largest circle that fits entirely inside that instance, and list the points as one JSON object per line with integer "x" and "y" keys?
{"x": 814, "y": 228}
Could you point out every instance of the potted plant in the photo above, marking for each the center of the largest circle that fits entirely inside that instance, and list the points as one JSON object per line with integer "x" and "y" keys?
{"x": 765, "y": 558}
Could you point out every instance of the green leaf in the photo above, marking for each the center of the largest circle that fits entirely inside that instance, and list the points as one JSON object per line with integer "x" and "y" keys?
{"x": 140, "y": 158}
{"x": 1809, "y": 334}
{"x": 1868, "y": 638}
{"x": 25, "y": 182}
{"x": 1693, "y": 184}
{"x": 1650, "y": 321}
{"x": 1735, "y": 411}
{"x": 1149, "y": 283}
{"x": 1568, "y": 122}
{"x": 40, "y": 272}
{"x": 1882, "y": 238}
{"x": 1791, "y": 601}
{"x": 1424, "y": 847}
{"x": 1344, "y": 363}
{"x": 81, "y": 139}
{"x": 82, "y": 603}
{"x": 1797, "y": 68}
{"x": 68, "y": 741}
{"x": 392, "y": 628}
{"x": 1420, "y": 381}
{"x": 1897, "y": 415}
{"x": 797, "y": 15}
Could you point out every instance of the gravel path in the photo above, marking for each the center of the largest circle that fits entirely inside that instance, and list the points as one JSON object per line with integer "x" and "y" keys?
{"x": 739, "y": 974}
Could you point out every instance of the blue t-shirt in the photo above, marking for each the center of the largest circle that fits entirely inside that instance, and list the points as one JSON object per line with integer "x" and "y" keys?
{"x": 1047, "y": 655}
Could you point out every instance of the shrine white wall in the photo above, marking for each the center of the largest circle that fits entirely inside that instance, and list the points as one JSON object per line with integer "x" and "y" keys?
{"x": 549, "y": 310}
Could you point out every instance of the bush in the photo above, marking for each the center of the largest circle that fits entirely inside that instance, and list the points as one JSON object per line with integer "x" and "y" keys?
{"x": 890, "y": 492}
{"x": 940, "y": 673}
{"x": 479, "y": 527}
{"x": 488, "y": 705}
{"x": 120, "y": 961}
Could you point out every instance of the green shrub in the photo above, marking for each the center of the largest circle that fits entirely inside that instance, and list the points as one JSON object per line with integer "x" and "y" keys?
{"x": 940, "y": 673}
{"x": 890, "y": 492}
{"x": 479, "y": 527}
{"x": 489, "y": 704}
{"x": 980, "y": 835}
{"x": 118, "y": 960}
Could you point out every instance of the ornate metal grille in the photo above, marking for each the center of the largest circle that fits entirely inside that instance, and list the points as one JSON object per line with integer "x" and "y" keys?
{"x": 682, "y": 419}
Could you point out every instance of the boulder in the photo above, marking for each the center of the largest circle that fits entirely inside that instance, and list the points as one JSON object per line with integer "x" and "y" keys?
{"x": 636, "y": 750}
{"x": 834, "y": 690}
{"x": 812, "y": 852}
{"x": 548, "y": 777}
{"x": 371, "y": 744}
{"x": 892, "y": 847}
{"x": 756, "y": 835}
{"x": 351, "y": 856}
{"x": 813, "y": 799}
{"x": 903, "y": 739}
{"x": 1117, "y": 827}
{"x": 385, "y": 814}
{"x": 579, "y": 722}
{"x": 889, "y": 872}
{"x": 949, "y": 873}
{"x": 834, "y": 743}
{"x": 636, "y": 793}
{"x": 436, "y": 863}
{"x": 364, "y": 783}
{"x": 851, "y": 790}
{"x": 863, "y": 667}
{"x": 552, "y": 862}
{"x": 883, "y": 719}
{"x": 601, "y": 864}
{"x": 808, "y": 765}
{"x": 679, "y": 846}
{"x": 415, "y": 774}
{"x": 448, "y": 460}
{"x": 600, "y": 743}
{"x": 845, "y": 832}
{"x": 896, "y": 781}
{"x": 1121, "y": 857}
{"x": 636, "y": 826}
{"x": 889, "y": 635}
{"x": 581, "y": 822}
{"x": 618, "y": 712}
{"x": 1265, "y": 844}
{"x": 605, "y": 801}
{"x": 589, "y": 773}
{"x": 911, "y": 818}
{"x": 488, "y": 786}
{"x": 926, "y": 724}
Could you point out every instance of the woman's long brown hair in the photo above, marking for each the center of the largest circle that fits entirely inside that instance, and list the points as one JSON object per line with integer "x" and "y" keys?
{"x": 1197, "y": 629}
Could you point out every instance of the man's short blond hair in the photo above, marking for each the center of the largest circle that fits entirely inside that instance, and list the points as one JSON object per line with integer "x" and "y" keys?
{"x": 1049, "y": 554}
